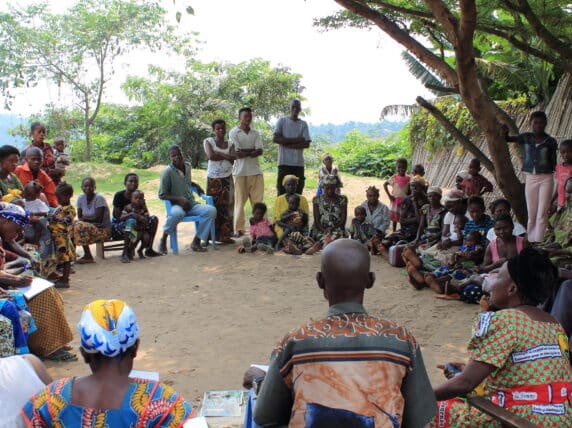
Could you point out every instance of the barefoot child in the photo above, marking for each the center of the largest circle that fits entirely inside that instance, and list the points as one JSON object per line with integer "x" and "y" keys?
{"x": 419, "y": 174}
{"x": 262, "y": 236}
{"x": 502, "y": 206}
{"x": 470, "y": 254}
{"x": 61, "y": 227}
{"x": 294, "y": 223}
{"x": 136, "y": 218}
{"x": 399, "y": 183}
{"x": 361, "y": 229}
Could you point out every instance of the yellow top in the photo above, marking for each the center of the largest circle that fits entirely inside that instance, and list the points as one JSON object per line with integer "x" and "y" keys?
{"x": 281, "y": 206}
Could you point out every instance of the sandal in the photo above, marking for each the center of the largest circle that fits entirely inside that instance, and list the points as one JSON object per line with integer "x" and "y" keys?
{"x": 198, "y": 248}
{"x": 61, "y": 356}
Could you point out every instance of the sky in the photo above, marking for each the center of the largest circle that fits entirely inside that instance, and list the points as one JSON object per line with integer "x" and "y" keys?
{"x": 348, "y": 74}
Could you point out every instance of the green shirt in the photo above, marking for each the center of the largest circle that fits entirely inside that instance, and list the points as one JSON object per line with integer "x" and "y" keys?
{"x": 176, "y": 183}
{"x": 12, "y": 182}
{"x": 347, "y": 361}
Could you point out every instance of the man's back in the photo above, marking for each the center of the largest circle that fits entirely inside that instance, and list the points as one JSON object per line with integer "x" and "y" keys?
{"x": 348, "y": 367}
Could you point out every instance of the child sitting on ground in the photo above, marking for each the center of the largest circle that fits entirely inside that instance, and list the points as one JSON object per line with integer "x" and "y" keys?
{"x": 399, "y": 183}
{"x": 419, "y": 174}
{"x": 61, "y": 227}
{"x": 38, "y": 213}
{"x": 479, "y": 221}
{"x": 136, "y": 218}
{"x": 505, "y": 246}
{"x": 262, "y": 235}
{"x": 328, "y": 168}
{"x": 361, "y": 229}
{"x": 474, "y": 184}
{"x": 462, "y": 265}
{"x": 294, "y": 223}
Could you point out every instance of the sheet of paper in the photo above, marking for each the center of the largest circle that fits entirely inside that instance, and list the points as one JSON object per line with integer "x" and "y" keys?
{"x": 38, "y": 285}
{"x": 145, "y": 375}
{"x": 261, "y": 367}
{"x": 222, "y": 403}
{"x": 200, "y": 422}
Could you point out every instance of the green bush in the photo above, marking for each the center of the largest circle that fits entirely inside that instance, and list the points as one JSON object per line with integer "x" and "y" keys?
{"x": 361, "y": 155}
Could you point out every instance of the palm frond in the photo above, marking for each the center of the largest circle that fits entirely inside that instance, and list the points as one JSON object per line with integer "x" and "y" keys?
{"x": 402, "y": 110}
{"x": 424, "y": 75}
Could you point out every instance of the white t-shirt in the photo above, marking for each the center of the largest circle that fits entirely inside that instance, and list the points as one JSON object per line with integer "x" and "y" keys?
{"x": 450, "y": 219}
{"x": 516, "y": 231}
{"x": 18, "y": 383}
{"x": 288, "y": 128}
{"x": 217, "y": 169}
{"x": 243, "y": 141}
{"x": 36, "y": 206}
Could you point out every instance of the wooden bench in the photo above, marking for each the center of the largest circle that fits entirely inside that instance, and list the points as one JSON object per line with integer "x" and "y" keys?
{"x": 102, "y": 247}
{"x": 507, "y": 418}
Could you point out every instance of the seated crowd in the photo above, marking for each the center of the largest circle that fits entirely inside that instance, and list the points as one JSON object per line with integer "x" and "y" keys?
{"x": 370, "y": 371}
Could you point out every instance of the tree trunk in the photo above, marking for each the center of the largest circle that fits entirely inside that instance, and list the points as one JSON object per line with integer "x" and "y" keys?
{"x": 86, "y": 130}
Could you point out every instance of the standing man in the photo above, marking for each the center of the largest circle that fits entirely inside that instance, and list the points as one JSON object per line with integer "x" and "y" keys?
{"x": 349, "y": 369}
{"x": 292, "y": 136}
{"x": 246, "y": 146}
{"x": 176, "y": 186}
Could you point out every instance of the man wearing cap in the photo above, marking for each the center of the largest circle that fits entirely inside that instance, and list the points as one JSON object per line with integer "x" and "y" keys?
{"x": 292, "y": 136}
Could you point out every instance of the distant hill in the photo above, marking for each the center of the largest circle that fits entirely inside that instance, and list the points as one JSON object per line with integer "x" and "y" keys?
{"x": 8, "y": 121}
{"x": 336, "y": 133}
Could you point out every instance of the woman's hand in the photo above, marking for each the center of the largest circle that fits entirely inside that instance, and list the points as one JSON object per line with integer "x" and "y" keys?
{"x": 450, "y": 370}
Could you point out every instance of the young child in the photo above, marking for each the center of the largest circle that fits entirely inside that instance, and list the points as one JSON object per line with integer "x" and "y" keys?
{"x": 38, "y": 213}
{"x": 262, "y": 235}
{"x": 419, "y": 174}
{"x": 505, "y": 246}
{"x": 61, "y": 227}
{"x": 361, "y": 229}
{"x": 502, "y": 206}
{"x": 136, "y": 218}
{"x": 399, "y": 183}
{"x": 474, "y": 184}
{"x": 328, "y": 168}
{"x": 479, "y": 221}
{"x": 294, "y": 223}
{"x": 462, "y": 265}
{"x": 61, "y": 161}
{"x": 563, "y": 171}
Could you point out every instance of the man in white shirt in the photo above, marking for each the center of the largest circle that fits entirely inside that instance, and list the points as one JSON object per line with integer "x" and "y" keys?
{"x": 246, "y": 145}
{"x": 292, "y": 136}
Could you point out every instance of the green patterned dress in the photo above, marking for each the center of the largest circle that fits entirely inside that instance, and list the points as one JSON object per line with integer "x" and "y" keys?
{"x": 526, "y": 354}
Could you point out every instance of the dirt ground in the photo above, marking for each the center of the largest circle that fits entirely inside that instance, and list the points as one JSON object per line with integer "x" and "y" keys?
{"x": 205, "y": 317}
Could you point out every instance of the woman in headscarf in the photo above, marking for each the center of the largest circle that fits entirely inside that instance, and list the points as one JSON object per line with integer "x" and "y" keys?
{"x": 109, "y": 335}
{"x": 53, "y": 333}
{"x": 518, "y": 354}
{"x": 290, "y": 183}
{"x": 330, "y": 214}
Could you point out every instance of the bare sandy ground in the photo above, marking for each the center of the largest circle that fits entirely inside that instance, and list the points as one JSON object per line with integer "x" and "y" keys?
{"x": 205, "y": 317}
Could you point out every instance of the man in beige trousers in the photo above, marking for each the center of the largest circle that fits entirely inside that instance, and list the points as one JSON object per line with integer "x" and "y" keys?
{"x": 246, "y": 144}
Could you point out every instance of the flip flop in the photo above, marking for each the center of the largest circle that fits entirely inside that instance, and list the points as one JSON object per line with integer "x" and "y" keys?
{"x": 61, "y": 356}
{"x": 83, "y": 261}
{"x": 61, "y": 284}
{"x": 198, "y": 248}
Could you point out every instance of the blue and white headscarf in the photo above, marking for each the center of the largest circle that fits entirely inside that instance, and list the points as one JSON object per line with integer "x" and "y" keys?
{"x": 108, "y": 327}
{"x": 14, "y": 213}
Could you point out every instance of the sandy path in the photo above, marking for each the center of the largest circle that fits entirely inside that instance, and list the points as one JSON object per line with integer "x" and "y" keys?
{"x": 206, "y": 317}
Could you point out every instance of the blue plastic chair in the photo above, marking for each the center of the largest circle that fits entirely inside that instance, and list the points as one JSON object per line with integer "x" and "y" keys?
{"x": 173, "y": 236}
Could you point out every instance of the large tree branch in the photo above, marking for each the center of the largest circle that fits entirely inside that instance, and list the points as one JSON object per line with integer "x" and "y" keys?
{"x": 423, "y": 54}
{"x": 449, "y": 21}
{"x": 461, "y": 138}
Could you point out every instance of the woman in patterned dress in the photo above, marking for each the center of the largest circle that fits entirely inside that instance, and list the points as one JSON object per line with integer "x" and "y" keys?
{"x": 330, "y": 214}
{"x": 108, "y": 397}
{"x": 519, "y": 357}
